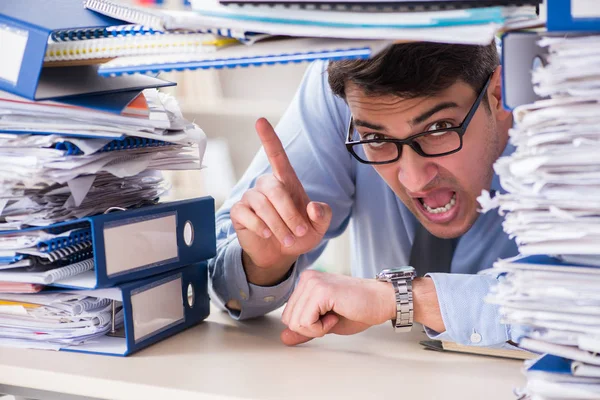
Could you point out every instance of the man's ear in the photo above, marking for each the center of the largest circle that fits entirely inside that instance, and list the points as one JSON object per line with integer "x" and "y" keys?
{"x": 495, "y": 96}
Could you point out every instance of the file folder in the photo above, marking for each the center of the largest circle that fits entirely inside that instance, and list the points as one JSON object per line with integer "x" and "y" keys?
{"x": 153, "y": 309}
{"x": 25, "y": 27}
{"x": 136, "y": 243}
{"x": 573, "y": 15}
{"x": 520, "y": 56}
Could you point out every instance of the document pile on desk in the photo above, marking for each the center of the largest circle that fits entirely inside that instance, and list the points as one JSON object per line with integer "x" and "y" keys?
{"x": 91, "y": 259}
{"x": 552, "y": 289}
{"x": 54, "y": 320}
{"x": 287, "y": 32}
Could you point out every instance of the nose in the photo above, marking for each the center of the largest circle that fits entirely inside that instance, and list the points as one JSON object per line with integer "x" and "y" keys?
{"x": 414, "y": 171}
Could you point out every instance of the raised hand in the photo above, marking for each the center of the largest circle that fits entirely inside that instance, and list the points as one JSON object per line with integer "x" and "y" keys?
{"x": 276, "y": 221}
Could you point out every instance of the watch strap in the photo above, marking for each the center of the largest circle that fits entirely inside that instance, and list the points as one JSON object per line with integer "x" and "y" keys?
{"x": 404, "y": 304}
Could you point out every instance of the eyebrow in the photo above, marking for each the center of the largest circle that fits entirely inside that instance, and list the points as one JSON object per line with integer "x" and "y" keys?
{"x": 435, "y": 109}
{"x": 368, "y": 125}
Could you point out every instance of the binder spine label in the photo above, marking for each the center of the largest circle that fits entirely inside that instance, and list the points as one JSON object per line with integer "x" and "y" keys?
{"x": 585, "y": 9}
{"x": 157, "y": 307}
{"x": 13, "y": 42}
{"x": 140, "y": 243}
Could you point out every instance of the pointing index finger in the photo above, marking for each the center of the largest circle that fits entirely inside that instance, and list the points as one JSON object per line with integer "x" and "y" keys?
{"x": 280, "y": 163}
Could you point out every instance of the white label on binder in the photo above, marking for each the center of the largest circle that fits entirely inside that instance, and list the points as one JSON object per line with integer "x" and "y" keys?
{"x": 12, "y": 47}
{"x": 157, "y": 307}
{"x": 585, "y": 9}
{"x": 140, "y": 243}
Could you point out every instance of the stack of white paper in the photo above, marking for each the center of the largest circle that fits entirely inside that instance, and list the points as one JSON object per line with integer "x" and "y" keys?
{"x": 551, "y": 291}
{"x": 90, "y": 161}
{"x": 55, "y": 320}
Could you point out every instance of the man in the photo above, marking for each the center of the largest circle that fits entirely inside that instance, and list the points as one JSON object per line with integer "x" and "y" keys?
{"x": 395, "y": 144}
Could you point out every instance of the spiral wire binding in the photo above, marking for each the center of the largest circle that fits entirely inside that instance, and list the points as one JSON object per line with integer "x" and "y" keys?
{"x": 68, "y": 271}
{"x": 74, "y": 238}
{"x": 68, "y": 252}
{"x": 116, "y": 145}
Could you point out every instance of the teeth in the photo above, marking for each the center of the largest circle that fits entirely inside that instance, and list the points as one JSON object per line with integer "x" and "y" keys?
{"x": 442, "y": 209}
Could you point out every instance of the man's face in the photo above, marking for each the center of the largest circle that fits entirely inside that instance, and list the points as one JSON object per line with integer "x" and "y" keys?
{"x": 441, "y": 192}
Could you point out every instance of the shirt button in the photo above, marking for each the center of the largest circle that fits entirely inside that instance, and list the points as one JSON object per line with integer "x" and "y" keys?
{"x": 243, "y": 295}
{"x": 269, "y": 299}
{"x": 475, "y": 337}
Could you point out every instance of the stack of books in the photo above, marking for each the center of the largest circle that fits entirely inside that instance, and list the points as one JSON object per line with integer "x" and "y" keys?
{"x": 549, "y": 293}
{"x": 90, "y": 259}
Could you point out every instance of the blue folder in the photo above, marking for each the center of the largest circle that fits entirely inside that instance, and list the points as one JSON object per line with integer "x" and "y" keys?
{"x": 573, "y": 15}
{"x": 25, "y": 27}
{"x": 134, "y": 244}
{"x": 153, "y": 309}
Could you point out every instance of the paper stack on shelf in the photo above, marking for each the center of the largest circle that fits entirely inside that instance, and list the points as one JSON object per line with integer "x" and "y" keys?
{"x": 306, "y": 34}
{"x": 552, "y": 210}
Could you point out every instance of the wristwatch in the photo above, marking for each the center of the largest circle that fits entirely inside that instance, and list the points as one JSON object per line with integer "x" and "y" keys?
{"x": 401, "y": 278}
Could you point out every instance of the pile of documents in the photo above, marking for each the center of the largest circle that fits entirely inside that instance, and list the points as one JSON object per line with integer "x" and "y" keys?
{"x": 91, "y": 259}
{"x": 269, "y": 34}
{"x": 552, "y": 210}
{"x": 55, "y": 320}
{"x": 60, "y": 162}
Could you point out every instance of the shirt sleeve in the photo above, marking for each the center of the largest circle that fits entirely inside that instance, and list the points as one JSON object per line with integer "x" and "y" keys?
{"x": 468, "y": 318}
{"x": 312, "y": 131}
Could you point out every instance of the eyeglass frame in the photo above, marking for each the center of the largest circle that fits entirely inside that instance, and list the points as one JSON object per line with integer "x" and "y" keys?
{"x": 460, "y": 130}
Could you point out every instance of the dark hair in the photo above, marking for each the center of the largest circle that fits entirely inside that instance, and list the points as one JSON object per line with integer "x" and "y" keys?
{"x": 416, "y": 69}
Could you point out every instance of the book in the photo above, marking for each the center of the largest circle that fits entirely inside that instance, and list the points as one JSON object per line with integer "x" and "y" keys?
{"x": 443, "y": 345}
{"x": 111, "y": 47}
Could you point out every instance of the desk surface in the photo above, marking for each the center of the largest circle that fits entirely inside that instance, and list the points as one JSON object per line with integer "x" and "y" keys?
{"x": 225, "y": 359}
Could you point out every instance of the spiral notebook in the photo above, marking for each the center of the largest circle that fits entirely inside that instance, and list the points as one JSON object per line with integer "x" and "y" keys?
{"x": 161, "y": 20}
{"x": 108, "y": 48}
{"x": 44, "y": 276}
{"x": 280, "y": 51}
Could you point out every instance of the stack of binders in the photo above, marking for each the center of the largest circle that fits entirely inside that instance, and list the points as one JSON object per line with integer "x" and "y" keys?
{"x": 90, "y": 259}
{"x": 550, "y": 292}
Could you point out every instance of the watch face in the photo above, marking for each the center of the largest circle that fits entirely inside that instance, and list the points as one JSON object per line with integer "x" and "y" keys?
{"x": 399, "y": 272}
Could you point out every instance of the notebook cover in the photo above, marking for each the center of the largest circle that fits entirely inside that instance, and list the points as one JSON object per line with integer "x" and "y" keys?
{"x": 67, "y": 14}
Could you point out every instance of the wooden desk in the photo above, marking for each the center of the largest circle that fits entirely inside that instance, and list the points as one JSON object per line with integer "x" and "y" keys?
{"x": 224, "y": 359}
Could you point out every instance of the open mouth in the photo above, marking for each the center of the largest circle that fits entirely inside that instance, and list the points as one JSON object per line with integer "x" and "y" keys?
{"x": 439, "y": 207}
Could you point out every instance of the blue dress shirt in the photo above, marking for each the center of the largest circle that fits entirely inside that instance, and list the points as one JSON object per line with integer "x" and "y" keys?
{"x": 313, "y": 131}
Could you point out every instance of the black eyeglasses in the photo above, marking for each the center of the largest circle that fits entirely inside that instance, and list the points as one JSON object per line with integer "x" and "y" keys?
{"x": 435, "y": 143}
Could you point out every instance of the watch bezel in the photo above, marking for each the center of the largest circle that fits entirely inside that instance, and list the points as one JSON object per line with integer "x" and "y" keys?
{"x": 397, "y": 273}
